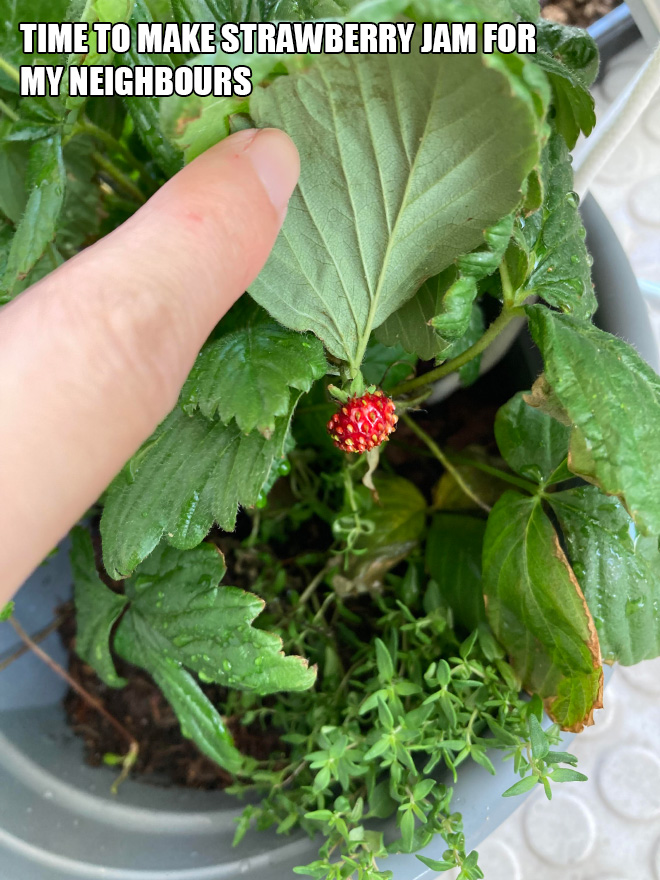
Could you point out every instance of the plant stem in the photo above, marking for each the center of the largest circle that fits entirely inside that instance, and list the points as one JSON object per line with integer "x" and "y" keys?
{"x": 444, "y": 461}
{"x": 10, "y": 70}
{"x": 503, "y": 319}
{"x": 6, "y": 109}
{"x": 122, "y": 180}
{"x": 86, "y": 126}
{"x": 520, "y": 482}
{"x": 130, "y": 757}
{"x": 36, "y": 638}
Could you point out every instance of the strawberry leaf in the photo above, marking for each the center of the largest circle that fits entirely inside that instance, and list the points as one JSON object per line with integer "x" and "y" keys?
{"x": 393, "y": 197}
{"x": 247, "y": 375}
{"x": 97, "y": 610}
{"x": 46, "y": 180}
{"x": 618, "y": 570}
{"x": 188, "y": 475}
{"x": 536, "y": 610}
{"x": 562, "y": 267}
{"x": 176, "y": 597}
{"x": 612, "y": 398}
{"x": 532, "y": 443}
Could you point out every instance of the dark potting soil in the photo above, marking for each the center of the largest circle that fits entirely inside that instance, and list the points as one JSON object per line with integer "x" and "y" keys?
{"x": 165, "y": 756}
{"x": 581, "y": 13}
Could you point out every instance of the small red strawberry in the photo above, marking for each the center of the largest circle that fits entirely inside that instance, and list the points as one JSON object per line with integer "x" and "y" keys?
{"x": 363, "y": 422}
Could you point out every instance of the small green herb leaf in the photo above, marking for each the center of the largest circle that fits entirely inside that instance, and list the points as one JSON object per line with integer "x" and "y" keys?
{"x": 97, "y": 610}
{"x": 347, "y": 257}
{"x": 247, "y": 375}
{"x": 613, "y": 400}
{"x": 618, "y": 570}
{"x": 538, "y": 613}
{"x": 521, "y": 787}
{"x": 190, "y": 473}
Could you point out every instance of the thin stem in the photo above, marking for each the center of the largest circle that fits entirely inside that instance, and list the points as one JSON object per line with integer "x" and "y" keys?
{"x": 36, "y": 638}
{"x": 10, "y": 70}
{"x": 130, "y": 757}
{"x": 503, "y": 319}
{"x": 86, "y": 126}
{"x": 117, "y": 175}
{"x": 520, "y": 482}
{"x": 6, "y": 109}
{"x": 444, "y": 461}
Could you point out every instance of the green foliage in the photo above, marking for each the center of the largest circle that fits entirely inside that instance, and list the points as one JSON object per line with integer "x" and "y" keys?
{"x": 569, "y": 57}
{"x": 190, "y": 473}
{"x": 554, "y": 240}
{"x": 322, "y": 276}
{"x": 37, "y": 227}
{"x": 98, "y": 609}
{"x": 432, "y": 189}
{"x": 612, "y": 399}
{"x": 538, "y": 613}
{"x": 453, "y": 559}
{"x": 247, "y": 375}
{"x": 533, "y": 444}
{"x": 174, "y": 617}
{"x": 618, "y": 570}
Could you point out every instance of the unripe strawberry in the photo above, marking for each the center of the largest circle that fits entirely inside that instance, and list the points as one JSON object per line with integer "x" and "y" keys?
{"x": 363, "y": 422}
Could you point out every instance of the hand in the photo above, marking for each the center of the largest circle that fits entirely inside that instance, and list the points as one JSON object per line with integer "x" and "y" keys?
{"x": 93, "y": 357}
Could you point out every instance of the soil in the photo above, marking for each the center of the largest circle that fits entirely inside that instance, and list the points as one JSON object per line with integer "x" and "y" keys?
{"x": 581, "y": 13}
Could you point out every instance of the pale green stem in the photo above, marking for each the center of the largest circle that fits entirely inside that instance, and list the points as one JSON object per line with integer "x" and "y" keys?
{"x": 444, "y": 461}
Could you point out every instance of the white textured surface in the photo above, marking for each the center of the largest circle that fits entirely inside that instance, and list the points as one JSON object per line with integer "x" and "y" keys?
{"x": 609, "y": 827}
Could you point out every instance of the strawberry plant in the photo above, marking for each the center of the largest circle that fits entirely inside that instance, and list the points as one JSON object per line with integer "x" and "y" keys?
{"x": 387, "y": 599}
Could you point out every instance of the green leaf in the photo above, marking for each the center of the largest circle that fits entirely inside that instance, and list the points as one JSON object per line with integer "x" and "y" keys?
{"x": 7, "y": 611}
{"x": 188, "y": 475}
{"x": 569, "y": 57}
{"x": 409, "y": 326}
{"x": 207, "y": 627}
{"x": 562, "y": 268}
{"x": 612, "y": 397}
{"x": 521, "y": 787}
{"x": 387, "y": 366}
{"x": 139, "y": 644}
{"x": 538, "y": 613}
{"x": 468, "y": 373}
{"x": 46, "y": 182}
{"x": 453, "y": 559}
{"x": 538, "y": 739}
{"x": 564, "y": 774}
{"x": 82, "y": 211}
{"x": 532, "y": 443}
{"x": 456, "y": 307}
{"x": 113, "y": 11}
{"x": 399, "y": 514}
{"x": 193, "y": 123}
{"x": 97, "y": 610}
{"x": 248, "y": 375}
{"x": 393, "y": 197}
{"x": 618, "y": 570}
{"x": 397, "y": 518}
{"x": 13, "y": 165}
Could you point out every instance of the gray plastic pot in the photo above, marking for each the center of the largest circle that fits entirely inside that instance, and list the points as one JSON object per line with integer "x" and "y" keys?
{"x": 58, "y": 818}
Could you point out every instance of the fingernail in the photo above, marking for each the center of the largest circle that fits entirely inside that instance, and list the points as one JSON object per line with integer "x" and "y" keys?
{"x": 275, "y": 159}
